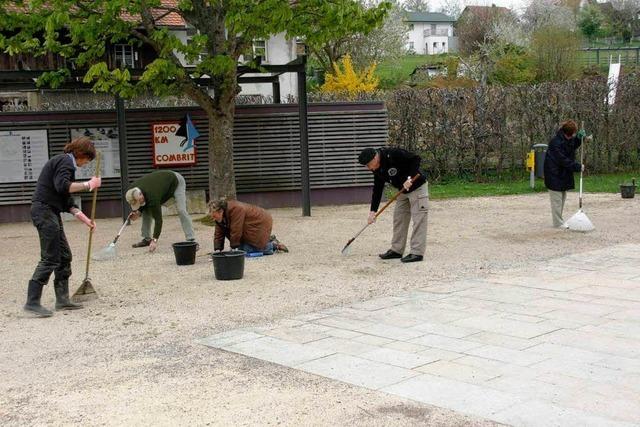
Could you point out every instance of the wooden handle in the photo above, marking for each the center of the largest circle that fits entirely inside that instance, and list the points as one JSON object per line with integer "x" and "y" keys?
{"x": 395, "y": 196}
{"x": 93, "y": 215}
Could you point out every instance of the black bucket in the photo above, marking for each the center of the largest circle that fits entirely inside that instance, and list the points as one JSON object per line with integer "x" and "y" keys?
{"x": 228, "y": 265}
{"x": 627, "y": 191}
{"x": 185, "y": 252}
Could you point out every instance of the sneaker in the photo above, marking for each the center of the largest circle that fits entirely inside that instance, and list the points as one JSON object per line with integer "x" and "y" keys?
{"x": 142, "y": 243}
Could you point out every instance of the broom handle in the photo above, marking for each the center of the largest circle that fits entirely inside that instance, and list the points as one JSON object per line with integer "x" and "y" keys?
{"x": 93, "y": 215}
{"x": 581, "y": 167}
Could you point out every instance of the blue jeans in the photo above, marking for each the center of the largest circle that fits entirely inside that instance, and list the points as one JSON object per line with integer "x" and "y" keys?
{"x": 268, "y": 250}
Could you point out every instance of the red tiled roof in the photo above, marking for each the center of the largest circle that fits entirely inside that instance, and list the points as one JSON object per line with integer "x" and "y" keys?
{"x": 163, "y": 18}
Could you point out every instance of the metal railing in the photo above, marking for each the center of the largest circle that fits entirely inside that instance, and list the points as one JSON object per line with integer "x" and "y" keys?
{"x": 607, "y": 55}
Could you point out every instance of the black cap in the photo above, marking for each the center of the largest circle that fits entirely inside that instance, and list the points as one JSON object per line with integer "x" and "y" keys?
{"x": 366, "y": 155}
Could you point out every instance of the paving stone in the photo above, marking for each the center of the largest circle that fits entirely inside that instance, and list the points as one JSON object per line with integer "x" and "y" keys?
{"x": 524, "y": 318}
{"x": 491, "y": 338}
{"x": 604, "y": 291}
{"x": 595, "y": 342}
{"x": 357, "y": 371}
{"x": 577, "y": 306}
{"x": 521, "y": 309}
{"x": 444, "y": 329}
{"x": 372, "y": 340}
{"x": 278, "y": 351}
{"x": 405, "y": 347}
{"x": 378, "y": 303}
{"x": 457, "y": 395}
{"x": 388, "y": 331}
{"x": 342, "y": 323}
{"x": 517, "y": 357}
{"x": 445, "y": 343}
{"x": 441, "y": 354}
{"x": 580, "y": 370}
{"x": 504, "y": 326}
{"x": 458, "y": 371}
{"x": 229, "y": 338}
{"x": 297, "y": 335}
{"x": 566, "y": 353}
{"x": 341, "y": 345}
{"x": 341, "y": 333}
{"x": 398, "y": 358}
{"x": 620, "y": 363}
{"x": 536, "y": 413}
{"x": 579, "y": 318}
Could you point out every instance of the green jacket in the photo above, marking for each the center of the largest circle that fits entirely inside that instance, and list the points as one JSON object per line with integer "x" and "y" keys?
{"x": 158, "y": 187}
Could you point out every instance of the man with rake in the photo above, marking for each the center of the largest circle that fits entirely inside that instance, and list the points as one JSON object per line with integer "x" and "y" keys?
{"x": 397, "y": 167}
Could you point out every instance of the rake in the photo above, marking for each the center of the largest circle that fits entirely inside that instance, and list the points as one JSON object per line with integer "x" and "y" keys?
{"x": 347, "y": 248}
{"x": 580, "y": 221}
{"x": 86, "y": 291}
{"x": 109, "y": 251}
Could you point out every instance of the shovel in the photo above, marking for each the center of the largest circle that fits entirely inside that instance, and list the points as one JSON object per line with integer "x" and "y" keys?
{"x": 346, "y": 249}
{"x": 109, "y": 251}
{"x": 86, "y": 291}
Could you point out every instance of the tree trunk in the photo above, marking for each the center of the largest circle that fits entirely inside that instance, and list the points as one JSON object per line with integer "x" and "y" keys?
{"x": 221, "y": 119}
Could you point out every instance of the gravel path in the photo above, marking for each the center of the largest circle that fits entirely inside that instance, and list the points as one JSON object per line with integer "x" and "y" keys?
{"x": 130, "y": 356}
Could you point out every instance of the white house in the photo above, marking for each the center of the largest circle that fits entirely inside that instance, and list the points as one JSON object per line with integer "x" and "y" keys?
{"x": 275, "y": 50}
{"x": 430, "y": 33}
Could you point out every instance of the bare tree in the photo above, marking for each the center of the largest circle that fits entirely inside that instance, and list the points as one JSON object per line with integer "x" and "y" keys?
{"x": 549, "y": 13}
{"x": 451, "y": 8}
{"x": 383, "y": 43}
{"x": 416, "y": 5}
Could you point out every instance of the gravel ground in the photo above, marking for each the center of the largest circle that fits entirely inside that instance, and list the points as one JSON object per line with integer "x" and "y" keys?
{"x": 130, "y": 357}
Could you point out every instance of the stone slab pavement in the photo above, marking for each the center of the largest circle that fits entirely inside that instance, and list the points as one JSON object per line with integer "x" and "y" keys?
{"x": 554, "y": 344}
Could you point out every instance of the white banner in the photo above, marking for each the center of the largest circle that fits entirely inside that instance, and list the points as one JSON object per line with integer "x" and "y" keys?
{"x": 105, "y": 139}
{"x": 172, "y": 144}
{"x": 612, "y": 82}
{"x": 23, "y": 154}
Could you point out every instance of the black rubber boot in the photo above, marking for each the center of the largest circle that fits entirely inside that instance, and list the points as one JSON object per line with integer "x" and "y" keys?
{"x": 62, "y": 296}
{"x": 34, "y": 292}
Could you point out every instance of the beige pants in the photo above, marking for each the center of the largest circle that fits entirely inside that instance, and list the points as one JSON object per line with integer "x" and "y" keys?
{"x": 557, "y": 206}
{"x": 414, "y": 207}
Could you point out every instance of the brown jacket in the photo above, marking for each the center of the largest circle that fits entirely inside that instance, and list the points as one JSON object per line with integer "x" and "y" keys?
{"x": 243, "y": 223}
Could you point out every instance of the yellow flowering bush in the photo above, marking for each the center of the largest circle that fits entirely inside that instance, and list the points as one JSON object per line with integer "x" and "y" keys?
{"x": 345, "y": 80}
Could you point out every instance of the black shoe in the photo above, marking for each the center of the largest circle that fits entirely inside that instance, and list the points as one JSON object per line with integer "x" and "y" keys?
{"x": 390, "y": 255}
{"x": 142, "y": 243}
{"x": 412, "y": 258}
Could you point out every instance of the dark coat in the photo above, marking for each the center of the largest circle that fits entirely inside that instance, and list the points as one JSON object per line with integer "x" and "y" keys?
{"x": 396, "y": 164}
{"x": 560, "y": 163}
{"x": 53, "y": 184}
{"x": 243, "y": 223}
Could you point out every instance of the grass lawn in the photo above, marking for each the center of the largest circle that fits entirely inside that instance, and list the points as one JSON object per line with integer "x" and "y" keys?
{"x": 593, "y": 184}
{"x": 394, "y": 72}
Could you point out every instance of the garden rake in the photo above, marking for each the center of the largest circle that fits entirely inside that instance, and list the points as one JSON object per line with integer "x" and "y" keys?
{"x": 580, "y": 221}
{"x": 86, "y": 291}
{"x": 347, "y": 248}
{"x": 109, "y": 251}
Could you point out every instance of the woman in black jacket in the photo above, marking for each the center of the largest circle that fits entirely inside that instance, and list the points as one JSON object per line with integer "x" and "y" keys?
{"x": 559, "y": 166}
{"x": 53, "y": 196}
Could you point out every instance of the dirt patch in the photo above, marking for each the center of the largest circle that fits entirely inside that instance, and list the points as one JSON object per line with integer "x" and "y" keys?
{"x": 130, "y": 357}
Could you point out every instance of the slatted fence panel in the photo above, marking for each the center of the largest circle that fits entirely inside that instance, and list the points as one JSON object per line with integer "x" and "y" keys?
{"x": 266, "y": 145}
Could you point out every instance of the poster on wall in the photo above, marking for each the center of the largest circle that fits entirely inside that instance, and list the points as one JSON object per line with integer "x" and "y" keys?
{"x": 23, "y": 154}
{"x": 105, "y": 139}
{"x": 174, "y": 143}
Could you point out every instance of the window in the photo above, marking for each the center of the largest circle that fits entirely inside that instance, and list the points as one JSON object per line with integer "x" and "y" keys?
{"x": 411, "y": 46}
{"x": 125, "y": 56}
{"x": 260, "y": 49}
{"x": 191, "y": 32}
{"x": 410, "y": 27}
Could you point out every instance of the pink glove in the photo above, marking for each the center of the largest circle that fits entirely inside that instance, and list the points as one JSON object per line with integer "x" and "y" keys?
{"x": 94, "y": 182}
{"x": 82, "y": 217}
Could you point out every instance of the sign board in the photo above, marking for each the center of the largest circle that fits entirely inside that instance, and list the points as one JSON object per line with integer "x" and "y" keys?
{"x": 23, "y": 154}
{"x": 174, "y": 143}
{"x": 105, "y": 139}
{"x": 612, "y": 82}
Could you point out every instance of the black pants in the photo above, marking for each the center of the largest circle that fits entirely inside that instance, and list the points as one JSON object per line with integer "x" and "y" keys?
{"x": 55, "y": 254}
